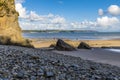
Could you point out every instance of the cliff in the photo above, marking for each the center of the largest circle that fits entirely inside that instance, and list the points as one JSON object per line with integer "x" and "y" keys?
{"x": 10, "y": 32}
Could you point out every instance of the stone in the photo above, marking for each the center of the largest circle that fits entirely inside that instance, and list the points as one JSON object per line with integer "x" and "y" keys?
{"x": 32, "y": 78}
{"x": 75, "y": 65}
{"x": 10, "y": 31}
{"x": 52, "y": 46}
{"x": 49, "y": 74}
{"x": 105, "y": 47}
{"x": 34, "y": 57}
{"x": 40, "y": 72}
{"x": 19, "y": 75}
{"x": 83, "y": 45}
{"x": 63, "y": 46}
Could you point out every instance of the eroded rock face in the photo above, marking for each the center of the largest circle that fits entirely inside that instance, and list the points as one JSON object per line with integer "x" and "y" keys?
{"x": 9, "y": 26}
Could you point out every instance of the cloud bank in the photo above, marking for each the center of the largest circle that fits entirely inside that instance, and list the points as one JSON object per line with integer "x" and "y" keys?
{"x": 30, "y": 20}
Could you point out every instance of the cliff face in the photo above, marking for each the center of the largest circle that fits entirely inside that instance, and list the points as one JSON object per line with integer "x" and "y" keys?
{"x": 9, "y": 26}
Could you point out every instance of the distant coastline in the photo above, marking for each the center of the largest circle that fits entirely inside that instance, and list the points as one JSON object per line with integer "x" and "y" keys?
{"x": 71, "y": 34}
{"x": 59, "y": 31}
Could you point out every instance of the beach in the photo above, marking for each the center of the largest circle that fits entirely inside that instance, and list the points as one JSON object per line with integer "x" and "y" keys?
{"x": 100, "y": 62}
{"x": 20, "y": 63}
{"x": 96, "y": 55}
{"x": 40, "y": 43}
{"x": 47, "y": 63}
{"x": 100, "y": 53}
{"x": 52, "y": 40}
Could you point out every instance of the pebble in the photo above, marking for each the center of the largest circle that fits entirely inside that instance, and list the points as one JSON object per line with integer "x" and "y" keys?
{"x": 19, "y": 63}
{"x": 19, "y": 75}
{"x": 49, "y": 74}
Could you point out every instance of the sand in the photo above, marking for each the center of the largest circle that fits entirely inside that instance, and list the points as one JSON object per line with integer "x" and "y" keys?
{"x": 40, "y": 43}
{"x": 97, "y": 54}
{"x": 50, "y": 64}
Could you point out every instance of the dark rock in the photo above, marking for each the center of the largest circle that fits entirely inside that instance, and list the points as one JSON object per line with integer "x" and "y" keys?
{"x": 19, "y": 75}
{"x": 40, "y": 72}
{"x": 74, "y": 67}
{"x": 62, "y": 76}
{"x": 49, "y": 74}
{"x": 104, "y": 47}
{"x": 84, "y": 45}
{"x": 34, "y": 57}
{"x": 63, "y": 46}
{"x": 52, "y": 46}
{"x": 32, "y": 78}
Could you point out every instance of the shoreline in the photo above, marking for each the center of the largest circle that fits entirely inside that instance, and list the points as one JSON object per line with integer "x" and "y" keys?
{"x": 41, "y": 43}
{"x": 98, "y": 55}
{"x": 102, "y": 49}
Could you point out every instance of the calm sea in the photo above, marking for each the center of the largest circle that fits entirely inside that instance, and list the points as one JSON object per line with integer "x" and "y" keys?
{"x": 73, "y": 35}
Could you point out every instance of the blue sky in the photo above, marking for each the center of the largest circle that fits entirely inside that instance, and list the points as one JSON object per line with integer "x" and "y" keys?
{"x": 70, "y": 9}
{"x": 69, "y": 14}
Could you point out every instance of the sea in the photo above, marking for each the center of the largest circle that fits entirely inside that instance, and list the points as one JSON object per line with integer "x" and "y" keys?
{"x": 73, "y": 35}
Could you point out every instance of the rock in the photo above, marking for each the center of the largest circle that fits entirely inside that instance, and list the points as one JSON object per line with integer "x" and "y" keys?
{"x": 50, "y": 66}
{"x": 49, "y": 74}
{"x": 62, "y": 76}
{"x": 74, "y": 66}
{"x": 105, "y": 47}
{"x": 32, "y": 78}
{"x": 19, "y": 75}
{"x": 40, "y": 72}
{"x": 10, "y": 32}
{"x": 34, "y": 57}
{"x": 84, "y": 45}
{"x": 62, "y": 46}
{"x": 52, "y": 46}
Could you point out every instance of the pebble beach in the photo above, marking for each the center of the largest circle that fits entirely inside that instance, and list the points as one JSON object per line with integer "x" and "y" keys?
{"x": 20, "y": 63}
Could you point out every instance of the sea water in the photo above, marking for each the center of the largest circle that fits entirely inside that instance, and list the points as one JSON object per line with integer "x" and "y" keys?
{"x": 73, "y": 35}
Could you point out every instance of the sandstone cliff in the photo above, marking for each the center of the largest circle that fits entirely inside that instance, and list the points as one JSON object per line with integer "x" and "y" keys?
{"x": 10, "y": 32}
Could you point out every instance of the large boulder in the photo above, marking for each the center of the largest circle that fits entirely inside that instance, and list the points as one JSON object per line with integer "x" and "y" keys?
{"x": 83, "y": 45}
{"x": 63, "y": 46}
{"x": 9, "y": 26}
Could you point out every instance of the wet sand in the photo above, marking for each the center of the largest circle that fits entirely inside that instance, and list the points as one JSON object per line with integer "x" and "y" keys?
{"x": 96, "y": 55}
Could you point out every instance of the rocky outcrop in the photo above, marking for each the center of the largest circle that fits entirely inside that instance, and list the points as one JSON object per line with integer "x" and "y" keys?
{"x": 62, "y": 46}
{"x": 84, "y": 45}
{"x": 9, "y": 26}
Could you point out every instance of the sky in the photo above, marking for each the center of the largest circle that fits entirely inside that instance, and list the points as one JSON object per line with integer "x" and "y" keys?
{"x": 98, "y": 15}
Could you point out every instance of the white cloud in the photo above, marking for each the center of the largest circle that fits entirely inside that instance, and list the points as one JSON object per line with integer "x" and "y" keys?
{"x": 100, "y": 12}
{"x": 35, "y": 17}
{"x": 101, "y": 24}
{"x": 114, "y": 10}
{"x": 31, "y": 20}
{"x": 58, "y": 20}
{"x": 22, "y": 10}
{"x": 107, "y": 21}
